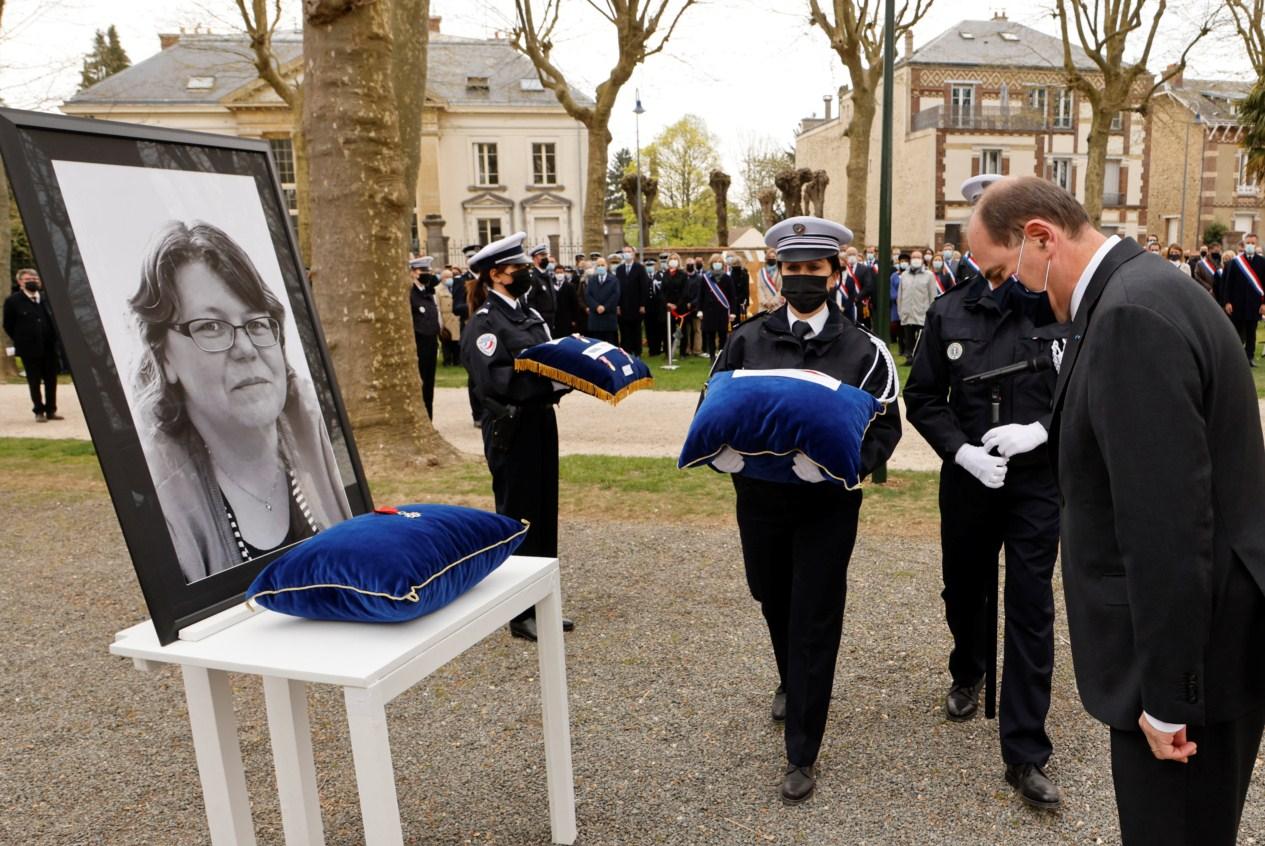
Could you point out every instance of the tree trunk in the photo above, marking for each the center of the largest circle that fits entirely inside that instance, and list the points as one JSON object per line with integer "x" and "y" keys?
{"x": 595, "y": 188}
{"x": 858, "y": 169}
{"x": 302, "y": 185}
{"x": 360, "y": 202}
{"x": 1096, "y": 163}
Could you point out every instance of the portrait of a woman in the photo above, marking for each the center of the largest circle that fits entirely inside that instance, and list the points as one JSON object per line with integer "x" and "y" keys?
{"x": 236, "y": 443}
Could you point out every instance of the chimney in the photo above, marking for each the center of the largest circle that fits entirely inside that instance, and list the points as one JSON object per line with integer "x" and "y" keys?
{"x": 433, "y": 25}
{"x": 166, "y": 39}
{"x": 999, "y": 16}
{"x": 1176, "y": 81}
{"x": 826, "y": 100}
{"x": 909, "y": 44}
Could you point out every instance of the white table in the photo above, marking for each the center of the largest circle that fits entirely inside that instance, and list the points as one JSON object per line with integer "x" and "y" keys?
{"x": 373, "y": 663}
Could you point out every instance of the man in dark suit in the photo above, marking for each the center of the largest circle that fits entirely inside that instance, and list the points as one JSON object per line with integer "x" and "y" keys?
{"x": 29, "y": 322}
{"x": 1241, "y": 290}
{"x": 1161, "y": 466}
{"x": 634, "y": 293}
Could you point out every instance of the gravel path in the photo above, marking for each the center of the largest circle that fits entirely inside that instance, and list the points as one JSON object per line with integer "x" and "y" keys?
{"x": 670, "y": 676}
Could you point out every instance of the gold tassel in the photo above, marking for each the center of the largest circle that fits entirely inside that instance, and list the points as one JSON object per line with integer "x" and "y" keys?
{"x": 582, "y": 385}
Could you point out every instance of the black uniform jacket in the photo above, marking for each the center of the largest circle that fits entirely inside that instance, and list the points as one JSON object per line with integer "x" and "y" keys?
{"x": 842, "y": 350}
{"x": 541, "y": 295}
{"x": 970, "y": 330}
{"x": 1238, "y": 291}
{"x": 634, "y": 289}
{"x": 566, "y": 313}
{"x": 460, "y": 306}
{"x": 424, "y": 309}
{"x": 716, "y": 315}
{"x": 966, "y": 274}
{"x": 1162, "y": 470}
{"x": 30, "y": 325}
{"x": 495, "y": 334}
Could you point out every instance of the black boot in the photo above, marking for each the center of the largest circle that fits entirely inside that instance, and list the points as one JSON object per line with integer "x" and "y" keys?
{"x": 1033, "y": 785}
{"x": 799, "y": 784}
{"x": 778, "y": 712}
{"x": 962, "y": 702}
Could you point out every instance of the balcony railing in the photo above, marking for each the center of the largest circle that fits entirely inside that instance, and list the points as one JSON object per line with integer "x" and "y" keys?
{"x": 985, "y": 118}
{"x": 1110, "y": 198}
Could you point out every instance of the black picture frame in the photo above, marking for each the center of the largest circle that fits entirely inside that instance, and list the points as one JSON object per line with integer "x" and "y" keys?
{"x": 30, "y": 142}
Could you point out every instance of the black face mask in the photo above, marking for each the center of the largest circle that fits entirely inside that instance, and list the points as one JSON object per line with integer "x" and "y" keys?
{"x": 805, "y": 293}
{"x": 31, "y": 285}
{"x": 520, "y": 282}
{"x": 771, "y": 262}
{"x": 1216, "y": 256}
{"x": 689, "y": 268}
{"x": 1174, "y": 257}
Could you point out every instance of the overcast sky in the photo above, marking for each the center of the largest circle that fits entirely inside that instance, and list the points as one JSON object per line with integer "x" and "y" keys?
{"x": 750, "y": 68}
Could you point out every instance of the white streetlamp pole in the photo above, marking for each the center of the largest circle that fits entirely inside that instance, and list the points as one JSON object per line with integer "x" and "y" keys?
{"x": 641, "y": 232}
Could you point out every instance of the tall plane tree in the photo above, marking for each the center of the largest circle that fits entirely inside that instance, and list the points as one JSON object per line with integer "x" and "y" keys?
{"x": 364, "y": 80}
{"x": 636, "y": 23}
{"x": 261, "y": 25}
{"x": 1114, "y": 85}
{"x": 856, "y": 36}
{"x": 1249, "y": 21}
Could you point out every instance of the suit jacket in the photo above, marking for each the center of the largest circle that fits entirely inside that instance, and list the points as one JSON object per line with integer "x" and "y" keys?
{"x": 634, "y": 290}
{"x": 603, "y": 292}
{"x": 30, "y": 325}
{"x": 1157, "y": 440}
{"x": 1239, "y": 292}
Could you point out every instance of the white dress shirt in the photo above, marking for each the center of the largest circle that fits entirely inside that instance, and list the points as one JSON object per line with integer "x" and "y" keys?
{"x": 1083, "y": 284}
{"x": 816, "y": 321}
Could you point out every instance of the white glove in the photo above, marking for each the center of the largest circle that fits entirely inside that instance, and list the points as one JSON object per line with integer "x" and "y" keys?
{"x": 805, "y": 469}
{"x": 989, "y": 469}
{"x": 1015, "y": 438}
{"x": 728, "y": 461}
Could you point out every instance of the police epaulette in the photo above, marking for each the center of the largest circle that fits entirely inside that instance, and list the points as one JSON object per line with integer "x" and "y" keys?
{"x": 483, "y": 310}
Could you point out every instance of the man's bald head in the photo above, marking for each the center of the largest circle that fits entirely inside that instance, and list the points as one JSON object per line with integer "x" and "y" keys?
{"x": 1008, "y": 204}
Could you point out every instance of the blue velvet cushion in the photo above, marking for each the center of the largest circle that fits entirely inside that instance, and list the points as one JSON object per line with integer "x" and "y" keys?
{"x": 388, "y": 566}
{"x": 766, "y": 415}
{"x": 591, "y": 367}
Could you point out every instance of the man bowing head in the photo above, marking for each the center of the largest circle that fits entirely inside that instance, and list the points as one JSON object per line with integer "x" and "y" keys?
{"x": 1157, "y": 442}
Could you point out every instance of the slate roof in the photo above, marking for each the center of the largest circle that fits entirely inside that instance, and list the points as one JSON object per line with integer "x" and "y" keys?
{"x": 1027, "y": 48}
{"x": 1214, "y": 100}
{"x": 225, "y": 64}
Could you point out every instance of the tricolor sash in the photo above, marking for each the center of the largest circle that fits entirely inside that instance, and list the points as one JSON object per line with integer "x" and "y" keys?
{"x": 716, "y": 292}
{"x": 970, "y": 260}
{"x": 1208, "y": 265}
{"x": 767, "y": 280}
{"x": 1251, "y": 275}
{"x": 940, "y": 284}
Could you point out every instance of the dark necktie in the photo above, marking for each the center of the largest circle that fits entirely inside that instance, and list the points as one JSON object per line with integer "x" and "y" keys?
{"x": 801, "y": 329}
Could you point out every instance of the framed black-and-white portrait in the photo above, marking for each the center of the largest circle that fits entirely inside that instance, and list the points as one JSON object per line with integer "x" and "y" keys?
{"x": 176, "y": 284}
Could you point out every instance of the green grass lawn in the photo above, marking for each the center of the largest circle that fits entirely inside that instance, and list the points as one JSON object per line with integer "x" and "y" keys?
{"x": 590, "y": 487}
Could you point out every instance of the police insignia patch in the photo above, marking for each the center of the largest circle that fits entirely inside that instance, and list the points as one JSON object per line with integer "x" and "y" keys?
{"x": 798, "y": 229}
{"x": 954, "y": 352}
{"x": 486, "y": 344}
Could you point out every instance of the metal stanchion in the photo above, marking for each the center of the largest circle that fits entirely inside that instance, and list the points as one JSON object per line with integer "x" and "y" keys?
{"x": 669, "y": 366}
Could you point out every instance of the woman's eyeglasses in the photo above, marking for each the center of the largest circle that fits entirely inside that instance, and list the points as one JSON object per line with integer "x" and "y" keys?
{"x": 210, "y": 334}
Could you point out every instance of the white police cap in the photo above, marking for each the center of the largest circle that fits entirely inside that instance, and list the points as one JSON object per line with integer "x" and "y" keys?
{"x": 508, "y": 250}
{"x": 539, "y": 249}
{"x": 974, "y": 187}
{"x": 803, "y": 238}
{"x": 422, "y": 263}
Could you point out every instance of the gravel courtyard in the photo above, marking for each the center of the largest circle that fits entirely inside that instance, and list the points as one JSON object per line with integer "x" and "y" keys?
{"x": 670, "y": 676}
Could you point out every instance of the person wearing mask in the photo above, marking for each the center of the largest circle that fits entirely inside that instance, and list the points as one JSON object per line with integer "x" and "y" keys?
{"x": 541, "y": 295}
{"x": 947, "y": 251}
{"x": 769, "y": 284}
{"x": 990, "y": 502}
{"x": 693, "y": 340}
{"x": 944, "y": 278}
{"x": 900, "y": 263}
{"x": 677, "y": 302}
{"x": 1153, "y": 247}
{"x": 797, "y": 539}
{"x": 426, "y": 325}
{"x": 634, "y": 293}
{"x": 1207, "y": 269}
{"x": 520, "y": 430}
{"x": 847, "y": 293}
{"x": 566, "y": 304}
{"x": 28, "y": 321}
{"x": 742, "y": 284}
{"x": 449, "y": 323}
{"x": 460, "y": 299}
{"x": 718, "y": 305}
{"x": 656, "y": 322}
{"x": 1243, "y": 290}
{"x": 1176, "y": 259}
{"x": 601, "y": 297}
{"x": 917, "y": 291}
{"x": 583, "y": 273}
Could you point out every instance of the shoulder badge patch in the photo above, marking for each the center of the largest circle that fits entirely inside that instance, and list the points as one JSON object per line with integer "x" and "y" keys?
{"x": 486, "y": 344}
{"x": 954, "y": 352}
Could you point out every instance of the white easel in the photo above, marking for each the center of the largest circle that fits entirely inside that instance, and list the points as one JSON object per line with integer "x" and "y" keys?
{"x": 373, "y": 663}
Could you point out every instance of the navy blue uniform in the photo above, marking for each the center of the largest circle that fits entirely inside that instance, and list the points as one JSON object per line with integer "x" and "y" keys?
{"x": 969, "y": 330}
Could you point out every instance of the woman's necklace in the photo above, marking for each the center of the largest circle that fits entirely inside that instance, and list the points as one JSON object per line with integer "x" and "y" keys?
{"x": 265, "y": 501}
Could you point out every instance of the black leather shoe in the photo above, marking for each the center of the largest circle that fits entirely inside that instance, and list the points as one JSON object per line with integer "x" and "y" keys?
{"x": 962, "y": 702}
{"x": 1033, "y": 785}
{"x": 778, "y": 712}
{"x": 568, "y": 625}
{"x": 524, "y": 628}
{"x": 799, "y": 784}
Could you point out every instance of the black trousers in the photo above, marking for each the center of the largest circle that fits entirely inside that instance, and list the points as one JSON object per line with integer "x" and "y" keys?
{"x": 525, "y": 479}
{"x": 1200, "y": 803}
{"x": 714, "y": 340}
{"x": 42, "y": 371}
{"x": 656, "y": 332}
{"x": 427, "y": 350}
{"x": 975, "y": 524}
{"x": 910, "y": 332}
{"x": 1247, "y": 334}
{"x": 630, "y": 335}
{"x": 796, "y": 544}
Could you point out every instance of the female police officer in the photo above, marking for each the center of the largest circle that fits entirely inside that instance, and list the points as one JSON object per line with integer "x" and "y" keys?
{"x": 797, "y": 538}
{"x": 520, "y": 433}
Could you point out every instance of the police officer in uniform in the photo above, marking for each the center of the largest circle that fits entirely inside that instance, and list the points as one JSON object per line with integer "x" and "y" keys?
{"x": 460, "y": 307}
{"x": 542, "y": 296}
{"x": 425, "y": 310}
{"x": 797, "y": 538}
{"x": 520, "y": 432}
{"x": 997, "y": 490}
